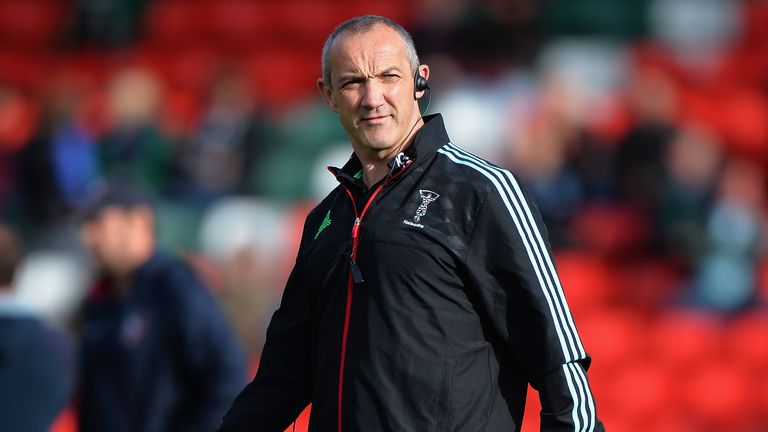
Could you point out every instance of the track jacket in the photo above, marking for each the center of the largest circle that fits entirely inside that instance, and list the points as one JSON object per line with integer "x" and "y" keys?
{"x": 425, "y": 303}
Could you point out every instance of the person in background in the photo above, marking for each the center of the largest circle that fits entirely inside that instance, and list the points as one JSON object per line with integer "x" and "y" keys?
{"x": 136, "y": 147}
{"x": 725, "y": 275}
{"x": 36, "y": 361}
{"x": 157, "y": 353}
{"x": 217, "y": 160}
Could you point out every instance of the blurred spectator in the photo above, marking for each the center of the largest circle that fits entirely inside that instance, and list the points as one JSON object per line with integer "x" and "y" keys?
{"x": 639, "y": 167}
{"x": 697, "y": 32}
{"x": 245, "y": 238}
{"x": 18, "y": 122}
{"x": 541, "y": 160}
{"x": 36, "y": 362}
{"x": 725, "y": 277}
{"x": 692, "y": 165}
{"x": 485, "y": 37}
{"x": 135, "y": 149}
{"x": 107, "y": 23}
{"x": 218, "y": 159}
{"x": 625, "y": 19}
{"x": 58, "y": 165}
{"x": 157, "y": 353}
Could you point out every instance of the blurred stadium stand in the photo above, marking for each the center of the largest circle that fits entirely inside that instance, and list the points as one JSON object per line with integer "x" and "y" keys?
{"x": 640, "y": 126}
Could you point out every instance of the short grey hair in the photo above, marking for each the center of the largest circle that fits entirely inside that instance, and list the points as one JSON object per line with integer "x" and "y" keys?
{"x": 363, "y": 24}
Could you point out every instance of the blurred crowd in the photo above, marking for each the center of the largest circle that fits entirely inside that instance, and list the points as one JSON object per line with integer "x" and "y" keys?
{"x": 640, "y": 127}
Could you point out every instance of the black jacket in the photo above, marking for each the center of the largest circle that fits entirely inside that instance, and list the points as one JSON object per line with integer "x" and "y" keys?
{"x": 37, "y": 370}
{"x": 160, "y": 358}
{"x": 426, "y": 303}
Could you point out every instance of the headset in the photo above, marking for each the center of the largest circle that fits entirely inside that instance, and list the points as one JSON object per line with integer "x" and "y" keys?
{"x": 419, "y": 84}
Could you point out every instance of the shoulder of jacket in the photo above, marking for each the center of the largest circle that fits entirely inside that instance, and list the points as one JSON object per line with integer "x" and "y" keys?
{"x": 319, "y": 211}
{"x": 178, "y": 274}
{"x": 471, "y": 170}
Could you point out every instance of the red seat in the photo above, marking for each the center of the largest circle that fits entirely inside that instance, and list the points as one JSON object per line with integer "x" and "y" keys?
{"x": 609, "y": 229}
{"x": 191, "y": 68}
{"x": 305, "y": 23}
{"x": 589, "y": 282}
{"x": 650, "y": 284}
{"x": 747, "y": 342}
{"x": 680, "y": 339}
{"x": 400, "y": 11}
{"x": 743, "y": 120}
{"x": 21, "y": 68}
{"x": 174, "y": 23}
{"x": 720, "y": 395}
{"x": 762, "y": 279}
{"x": 282, "y": 78}
{"x": 239, "y": 24}
{"x": 738, "y": 113}
{"x": 640, "y": 391}
{"x": 755, "y": 32}
{"x": 612, "y": 337}
{"x": 745, "y": 66}
{"x": 18, "y": 122}
{"x": 31, "y": 23}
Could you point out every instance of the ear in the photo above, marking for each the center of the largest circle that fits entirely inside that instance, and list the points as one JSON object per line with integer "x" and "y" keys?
{"x": 327, "y": 93}
{"x": 423, "y": 70}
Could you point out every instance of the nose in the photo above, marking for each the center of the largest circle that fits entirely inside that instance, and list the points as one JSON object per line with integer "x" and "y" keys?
{"x": 373, "y": 94}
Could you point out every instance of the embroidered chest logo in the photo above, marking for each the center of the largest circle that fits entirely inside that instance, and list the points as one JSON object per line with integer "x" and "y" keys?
{"x": 326, "y": 222}
{"x": 427, "y": 196}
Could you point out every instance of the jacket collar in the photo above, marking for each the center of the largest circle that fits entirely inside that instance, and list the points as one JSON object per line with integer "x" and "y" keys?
{"x": 425, "y": 143}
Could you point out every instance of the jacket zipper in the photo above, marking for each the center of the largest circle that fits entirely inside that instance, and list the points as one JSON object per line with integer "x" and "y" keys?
{"x": 355, "y": 276}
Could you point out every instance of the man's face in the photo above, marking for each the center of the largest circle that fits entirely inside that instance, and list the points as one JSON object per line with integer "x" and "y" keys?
{"x": 107, "y": 237}
{"x": 372, "y": 89}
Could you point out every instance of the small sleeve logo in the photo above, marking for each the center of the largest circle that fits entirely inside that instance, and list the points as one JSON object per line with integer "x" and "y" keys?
{"x": 326, "y": 222}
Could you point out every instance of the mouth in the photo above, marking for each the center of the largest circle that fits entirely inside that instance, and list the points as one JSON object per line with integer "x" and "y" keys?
{"x": 373, "y": 120}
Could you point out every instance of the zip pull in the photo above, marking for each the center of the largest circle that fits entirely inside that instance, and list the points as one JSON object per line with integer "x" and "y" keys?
{"x": 356, "y": 229}
{"x": 357, "y": 276}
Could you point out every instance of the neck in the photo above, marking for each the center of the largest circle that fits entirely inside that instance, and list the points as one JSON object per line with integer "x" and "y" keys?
{"x": 375, "y": 163}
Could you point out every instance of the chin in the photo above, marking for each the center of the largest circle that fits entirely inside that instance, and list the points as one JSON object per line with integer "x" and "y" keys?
{"x": 379, "y": 143}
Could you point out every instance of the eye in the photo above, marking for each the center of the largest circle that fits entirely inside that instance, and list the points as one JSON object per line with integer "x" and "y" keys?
{"x": 390, "y": 77}
{"x": 350, "y": 84}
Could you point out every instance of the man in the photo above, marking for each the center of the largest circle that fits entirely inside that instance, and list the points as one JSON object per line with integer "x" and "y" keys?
{"x": 36, "y": 362}
{"x": 157, "y": 354}
{"x": 424, "y": 296}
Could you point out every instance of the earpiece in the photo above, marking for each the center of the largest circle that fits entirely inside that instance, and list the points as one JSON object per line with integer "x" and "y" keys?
{"x": 420, "y": 83}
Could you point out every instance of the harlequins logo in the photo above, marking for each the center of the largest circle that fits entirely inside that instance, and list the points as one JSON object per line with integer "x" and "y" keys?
{"x": 427, "y": 196}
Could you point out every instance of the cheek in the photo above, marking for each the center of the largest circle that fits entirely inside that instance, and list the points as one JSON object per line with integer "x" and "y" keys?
{"x": 114, "y": 238}
{"x": 346, "y": 102}
{"x": 400, "y": 97}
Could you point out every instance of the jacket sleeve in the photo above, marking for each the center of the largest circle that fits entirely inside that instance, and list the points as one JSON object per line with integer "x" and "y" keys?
{"x": 282, "y": 386}
{"x": 212, "y": 361}
{"x": 510, "y": 265}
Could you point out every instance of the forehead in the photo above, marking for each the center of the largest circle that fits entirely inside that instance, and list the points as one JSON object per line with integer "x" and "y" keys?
{"x": 114, "y": 214}
{"x": 377, "y": 47}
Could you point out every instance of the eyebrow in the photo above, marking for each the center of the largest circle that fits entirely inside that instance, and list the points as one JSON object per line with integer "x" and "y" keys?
{"x": 347, "y": 76}
{"x": 390, "y": 70}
